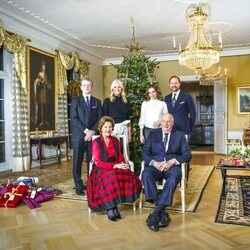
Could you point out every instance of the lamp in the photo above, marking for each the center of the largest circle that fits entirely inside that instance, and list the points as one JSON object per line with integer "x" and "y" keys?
{"x": 199, "y": 53}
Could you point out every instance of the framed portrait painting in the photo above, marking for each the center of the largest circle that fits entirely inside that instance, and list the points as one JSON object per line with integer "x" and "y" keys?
{"x": 42, "y": 81}
{"x": 243, "y": 99}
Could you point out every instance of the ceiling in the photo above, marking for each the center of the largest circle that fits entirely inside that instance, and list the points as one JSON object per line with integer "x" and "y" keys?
{"x": 103, "y": 27}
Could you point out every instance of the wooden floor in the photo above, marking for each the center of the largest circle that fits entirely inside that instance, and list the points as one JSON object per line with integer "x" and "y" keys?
{"x": 60, "y": 224}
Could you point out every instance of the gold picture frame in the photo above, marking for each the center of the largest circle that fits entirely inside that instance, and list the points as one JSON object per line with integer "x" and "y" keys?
{"x": 243, "y": 99}
{"x": 42, "y": 83}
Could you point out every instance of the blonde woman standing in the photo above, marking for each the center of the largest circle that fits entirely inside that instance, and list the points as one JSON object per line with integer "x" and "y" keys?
{"x": 151, "y": 111}
{"x": 117, "y": 107}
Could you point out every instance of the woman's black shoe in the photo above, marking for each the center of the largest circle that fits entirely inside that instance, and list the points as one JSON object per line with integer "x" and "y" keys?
{"x": 111, "y": 214}
{"x": 117, "y": 214}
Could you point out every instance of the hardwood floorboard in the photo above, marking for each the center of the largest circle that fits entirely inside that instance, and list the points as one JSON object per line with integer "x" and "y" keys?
{"x": 62, "y": 224}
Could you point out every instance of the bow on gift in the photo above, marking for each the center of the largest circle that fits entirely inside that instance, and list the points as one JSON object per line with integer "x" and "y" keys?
{"x": 12, "y": 195}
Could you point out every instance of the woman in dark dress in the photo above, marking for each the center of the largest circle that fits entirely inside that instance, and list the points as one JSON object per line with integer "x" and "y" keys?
{"x": 111, "y": 181}
{"x": 117, "y": 107}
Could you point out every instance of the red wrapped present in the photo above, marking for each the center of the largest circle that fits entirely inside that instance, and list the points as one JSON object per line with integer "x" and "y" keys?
{"x": 13, "y": 196}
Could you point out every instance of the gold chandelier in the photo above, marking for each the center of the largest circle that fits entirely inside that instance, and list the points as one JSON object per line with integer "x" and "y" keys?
{"x": 199, "y": 53}
{"x": 208, "y": 78}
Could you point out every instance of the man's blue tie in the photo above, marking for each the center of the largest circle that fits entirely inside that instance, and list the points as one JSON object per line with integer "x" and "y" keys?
{"x": 174, "y": 100}
{"x": 165, "y": 139}
{"x": 88, "y": 103}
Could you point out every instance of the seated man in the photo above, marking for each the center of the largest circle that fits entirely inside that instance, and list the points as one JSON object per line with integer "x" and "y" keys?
{"x": 164, "y": 152}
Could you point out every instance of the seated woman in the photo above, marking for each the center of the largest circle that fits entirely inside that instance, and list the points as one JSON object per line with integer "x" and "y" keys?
{"x": 110, "y": 182}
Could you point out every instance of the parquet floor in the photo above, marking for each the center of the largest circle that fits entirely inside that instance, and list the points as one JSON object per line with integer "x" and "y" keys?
{"x": 61, "y": 224}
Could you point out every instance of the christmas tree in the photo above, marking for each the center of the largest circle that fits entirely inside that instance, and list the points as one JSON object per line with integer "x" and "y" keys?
{"x": 137, "y": 72}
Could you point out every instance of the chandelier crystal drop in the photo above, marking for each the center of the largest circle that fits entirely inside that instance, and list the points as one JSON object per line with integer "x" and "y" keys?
{"x": 199, "y": 53}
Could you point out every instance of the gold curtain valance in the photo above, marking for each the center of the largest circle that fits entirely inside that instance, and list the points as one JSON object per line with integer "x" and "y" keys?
{"x": 67, "y": 62}
{"x": 15, "y": 43}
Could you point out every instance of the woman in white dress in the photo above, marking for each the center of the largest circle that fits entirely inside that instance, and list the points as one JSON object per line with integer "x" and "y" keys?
{"x": 151, "y": 111}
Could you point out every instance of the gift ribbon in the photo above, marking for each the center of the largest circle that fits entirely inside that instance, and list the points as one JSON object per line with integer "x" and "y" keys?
{"x": 11, "y": 194}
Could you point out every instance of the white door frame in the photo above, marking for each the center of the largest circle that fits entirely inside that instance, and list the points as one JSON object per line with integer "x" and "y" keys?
{"x": 220, "y": 116}
{"x": 220, "y": 112}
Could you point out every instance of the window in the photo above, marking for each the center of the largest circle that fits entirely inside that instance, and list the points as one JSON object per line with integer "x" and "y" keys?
{"x": 1, "y": 58}
{"x": 2, "y": 123}
{"x": 6, "y": 60}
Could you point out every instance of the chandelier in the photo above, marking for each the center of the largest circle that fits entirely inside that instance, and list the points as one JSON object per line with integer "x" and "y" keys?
{"x": 199, "y": 53}
{"x": 208, "y": 78}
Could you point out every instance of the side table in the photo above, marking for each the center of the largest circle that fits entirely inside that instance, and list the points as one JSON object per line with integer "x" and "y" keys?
{"x": 54, "y": 141}
{"x": 224, "y": 169}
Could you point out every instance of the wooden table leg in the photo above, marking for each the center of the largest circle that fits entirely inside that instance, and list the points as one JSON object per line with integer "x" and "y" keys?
{"x": 224, "y": 182}
{"x": 67, "y": 149}
{"x": 31, "y": 155}
{"x": 58, "y": 153}
{"x": 40, "y": 154}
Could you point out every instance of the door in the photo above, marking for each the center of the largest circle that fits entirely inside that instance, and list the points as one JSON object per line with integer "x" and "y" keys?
{"x": 220, "y": 116}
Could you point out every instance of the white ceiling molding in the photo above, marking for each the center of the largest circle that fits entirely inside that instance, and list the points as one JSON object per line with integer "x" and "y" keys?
{"x": 100, "y": 30}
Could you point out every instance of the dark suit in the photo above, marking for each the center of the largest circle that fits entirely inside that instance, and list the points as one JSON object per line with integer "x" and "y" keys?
{"x": 154, "y": 150}
{"x": 184, "y": 105}
{"x": 82, "y": 119}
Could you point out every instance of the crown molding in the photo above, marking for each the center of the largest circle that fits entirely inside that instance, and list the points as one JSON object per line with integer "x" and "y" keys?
{"x": 44, "y": 39}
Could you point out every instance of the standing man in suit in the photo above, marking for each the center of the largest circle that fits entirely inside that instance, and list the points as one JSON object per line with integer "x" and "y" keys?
{"x": 164, "y": 152}
{"x": 181, "y": 106}
{"x": 85, "y": 113}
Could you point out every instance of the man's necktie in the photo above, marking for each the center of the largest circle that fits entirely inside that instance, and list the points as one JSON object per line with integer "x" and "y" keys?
{"x": 88, "y": 103}
{"x": 165, "y": 140}
{"x": 174, "y": 100}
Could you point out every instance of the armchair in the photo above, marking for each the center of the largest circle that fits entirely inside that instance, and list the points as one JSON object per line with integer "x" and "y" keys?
{"x": 181, "y": 187}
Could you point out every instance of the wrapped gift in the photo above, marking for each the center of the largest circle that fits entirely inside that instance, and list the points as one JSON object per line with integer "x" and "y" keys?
{"x": 3, "y": 189}
{"x": 34, "y": 197}
{"x": 13, "y": 195}
{"x": 27, "y": 180}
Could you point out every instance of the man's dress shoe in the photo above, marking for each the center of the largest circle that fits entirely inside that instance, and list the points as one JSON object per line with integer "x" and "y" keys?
{"x": 164, "y": 219}
{"x": 80, "y": 192}
{"x": 152, "y": 222}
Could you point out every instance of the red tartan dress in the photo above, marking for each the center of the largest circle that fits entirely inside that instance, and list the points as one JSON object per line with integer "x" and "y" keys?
{"x": 106, "y": 186}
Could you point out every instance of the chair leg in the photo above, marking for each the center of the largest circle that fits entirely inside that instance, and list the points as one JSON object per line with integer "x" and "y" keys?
{"x": 140, "y": 200}
{"x": 187, "y": 170}
{"x": 183, "y": 202}
{"x": 134, "y": 206}
{"x": 183, "y": 186}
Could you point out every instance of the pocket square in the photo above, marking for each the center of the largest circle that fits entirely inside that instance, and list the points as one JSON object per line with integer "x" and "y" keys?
{"x": 94, "y": 107}
{"x": 182, "y": 102}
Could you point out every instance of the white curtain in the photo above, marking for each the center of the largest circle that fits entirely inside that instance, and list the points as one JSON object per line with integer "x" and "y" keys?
{"x": 20, "y": 126}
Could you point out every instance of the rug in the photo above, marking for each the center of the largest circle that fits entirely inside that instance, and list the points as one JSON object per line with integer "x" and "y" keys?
{"x": 46, "y": 176}
{"x": 235, "y": 207}
{"x": 68, "y": 190}
{"x": 198, "y": 178}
